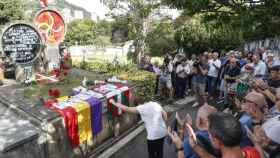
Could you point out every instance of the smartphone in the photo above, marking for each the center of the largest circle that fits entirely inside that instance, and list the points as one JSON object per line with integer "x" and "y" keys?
{"x": 249, "y": 132}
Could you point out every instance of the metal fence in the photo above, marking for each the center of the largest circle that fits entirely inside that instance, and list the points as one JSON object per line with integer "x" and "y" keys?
{"x": 269, "y": 43}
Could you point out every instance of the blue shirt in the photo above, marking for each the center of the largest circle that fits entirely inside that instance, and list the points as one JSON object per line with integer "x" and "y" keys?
{"x": 246, "y": 120}
{"x": 206, "y": 143}
{"x": 189, "y": 153}
{"x": 242, "y": 62}
{"x": 224, "y": 60}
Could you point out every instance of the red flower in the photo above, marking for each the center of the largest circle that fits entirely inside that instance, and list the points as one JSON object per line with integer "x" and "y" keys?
{"x": 55, "y": 72}
{"x": 66, "y": 56}
{"x": 65, "y": 73}
{"x": 64, "y": 66}
{"x": 56, "y": 93}
{"x": 50, "y": 92}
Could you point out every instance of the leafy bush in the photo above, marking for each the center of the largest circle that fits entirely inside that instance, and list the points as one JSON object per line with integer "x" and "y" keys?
{"x": 144, "y": 80}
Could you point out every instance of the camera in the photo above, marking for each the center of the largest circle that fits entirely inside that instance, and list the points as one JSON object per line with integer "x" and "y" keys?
{"x": 196, "y": 63}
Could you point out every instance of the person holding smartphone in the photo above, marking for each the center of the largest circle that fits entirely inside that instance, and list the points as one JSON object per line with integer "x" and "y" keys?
{"x": 225, "y": 134}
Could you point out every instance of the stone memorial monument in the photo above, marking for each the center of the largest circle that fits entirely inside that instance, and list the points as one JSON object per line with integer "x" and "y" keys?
{"x": 22, "y": 44}
{"x": 52, "y": 27}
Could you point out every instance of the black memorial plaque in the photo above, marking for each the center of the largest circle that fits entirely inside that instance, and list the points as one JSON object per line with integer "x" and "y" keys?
{"x": 21, "y": 42}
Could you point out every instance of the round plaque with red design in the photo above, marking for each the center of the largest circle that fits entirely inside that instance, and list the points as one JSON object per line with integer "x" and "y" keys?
{"x": 51, "y": 25}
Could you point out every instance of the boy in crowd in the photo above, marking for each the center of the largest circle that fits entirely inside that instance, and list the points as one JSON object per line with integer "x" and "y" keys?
{"x": 214, "y": 67}
{"x": 199, "y": 79}
{"x": 182, "y": 72}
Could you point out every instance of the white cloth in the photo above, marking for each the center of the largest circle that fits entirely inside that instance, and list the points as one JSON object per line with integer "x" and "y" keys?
{"x": 151, "y": 114}
{"x": 156, "y": 70}
{"x": 260, "y": 68}
{"x": 170, "y": 67}
{"x": 264, "y": 56}
{"x": 272, "y": 129}
{"x": 183, "y": 70}
{"x": 213, "y": 71}
{"x": 190, "y": 62}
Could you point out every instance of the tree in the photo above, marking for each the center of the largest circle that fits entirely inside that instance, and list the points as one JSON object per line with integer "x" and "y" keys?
{"x": 256, "y": 19}
{"x": 81, "y": 31}
{"x": 10, "y": 10}
{"x": 104, "y": 28}
{"x": 160, "y": 39}
{"x": 138, "y": 14}
{"x": 196, "y": 37}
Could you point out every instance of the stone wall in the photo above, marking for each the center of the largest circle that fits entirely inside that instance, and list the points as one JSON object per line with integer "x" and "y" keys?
{"x": 52, "y": 141}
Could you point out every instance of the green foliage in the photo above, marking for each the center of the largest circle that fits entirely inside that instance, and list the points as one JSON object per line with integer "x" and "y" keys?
{"x": 104, "y": 28}
{"x": 196, "y": 37}
{"x": 144, "y": 80}
{"x": 88, "y": 32}
{"x": 81, "y": 31}
{"x": 136, "y": 21}
{"x": 160, "y": 39}
{"x": 10, "y": 10}
{"x": 256, "y": 19}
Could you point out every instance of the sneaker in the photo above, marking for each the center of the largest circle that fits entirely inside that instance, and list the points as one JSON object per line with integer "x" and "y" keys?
{"x": 195, "y": 104}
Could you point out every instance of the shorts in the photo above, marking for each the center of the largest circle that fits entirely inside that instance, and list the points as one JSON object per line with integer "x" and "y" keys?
{"x": 199, "y": 88}
{"x": 165, "y": 84}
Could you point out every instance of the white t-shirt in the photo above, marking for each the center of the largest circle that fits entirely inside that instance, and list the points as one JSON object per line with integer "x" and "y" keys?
{"x": 260, "y": 69}
{"x": 184, "y": 70}
{"x": 213, "y": 71}
{"x": 151, "y": 114}
{"x": 157, "y": 70}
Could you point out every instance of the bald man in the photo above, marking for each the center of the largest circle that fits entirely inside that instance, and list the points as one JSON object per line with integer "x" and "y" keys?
{"x": 202, "y": 134}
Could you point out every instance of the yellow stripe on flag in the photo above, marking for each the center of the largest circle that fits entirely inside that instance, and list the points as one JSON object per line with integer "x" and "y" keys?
{"x": 84, "y": 122}
{"x": 64, "y": 98}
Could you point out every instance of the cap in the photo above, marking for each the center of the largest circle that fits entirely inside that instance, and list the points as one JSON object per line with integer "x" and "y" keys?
{"x": 276, "y": 63}
{"x": 256, "y": 98}
{"x": 272, "y": 129}
{"x": 270, "y": 55}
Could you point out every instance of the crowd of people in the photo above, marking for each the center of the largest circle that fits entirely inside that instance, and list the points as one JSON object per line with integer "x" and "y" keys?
{"x": 248, "y": 127}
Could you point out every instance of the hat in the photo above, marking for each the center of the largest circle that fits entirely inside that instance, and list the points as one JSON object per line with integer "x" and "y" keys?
{"x": 276, "y": 64}
{"x": 272, "y": 129}
{"x": 270, "y": 55}
{"x": 256, "y": 98}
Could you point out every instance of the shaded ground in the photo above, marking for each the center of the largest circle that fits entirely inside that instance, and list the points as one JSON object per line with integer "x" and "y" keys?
{"x": 137, "y": 148}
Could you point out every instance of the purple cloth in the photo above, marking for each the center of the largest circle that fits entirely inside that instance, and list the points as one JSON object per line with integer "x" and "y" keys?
{"x": 75, "y": 92}
{"x": 96, "y": 115}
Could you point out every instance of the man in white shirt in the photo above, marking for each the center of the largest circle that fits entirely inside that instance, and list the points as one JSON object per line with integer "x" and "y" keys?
{"x": 182, "y": 72}
{"x": 214, "y": 67}
{"x": 260, "y": 68}
{"x": 154, "y": 118}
